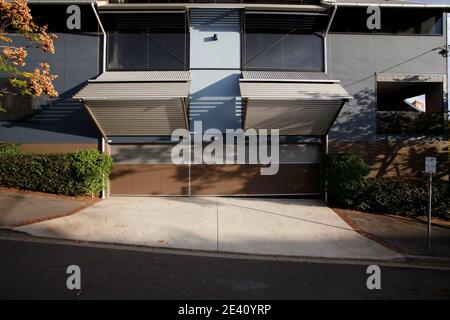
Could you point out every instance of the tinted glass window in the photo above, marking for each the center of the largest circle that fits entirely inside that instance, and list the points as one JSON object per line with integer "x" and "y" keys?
{"x": 393, "y": 21}
{"x": 283, "y": 42}
{"x": 147, "y": 41}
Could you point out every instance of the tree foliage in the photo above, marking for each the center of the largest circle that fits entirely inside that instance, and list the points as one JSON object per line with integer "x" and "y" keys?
{"x": 15, "y": 22}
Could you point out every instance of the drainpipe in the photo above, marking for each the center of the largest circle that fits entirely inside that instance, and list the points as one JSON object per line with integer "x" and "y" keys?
{"x": 325, "y": 38}
{"x": 447, "y": 16}
{"x": 325, "y": 138}
{"x": 103, "y": 148}
{"x": 104, "y": 37}
{"x": 103, "y": 143}
{"x": 325, "y": 182}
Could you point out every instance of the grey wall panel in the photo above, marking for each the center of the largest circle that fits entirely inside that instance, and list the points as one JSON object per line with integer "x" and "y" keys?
{"x": 214, "y": 94}
{"x": 61, "y": 119}
{"x": 63, "y": 122}
{"x": 354, "y": 59}
{"x": 209, "y": 53}
{"x": 215, "y": 99}
{"x": 138, "y": 117}
{"x": 77, "y": 59}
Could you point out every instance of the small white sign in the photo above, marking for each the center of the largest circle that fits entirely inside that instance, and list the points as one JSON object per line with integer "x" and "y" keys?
{"x": 430, "y": 164}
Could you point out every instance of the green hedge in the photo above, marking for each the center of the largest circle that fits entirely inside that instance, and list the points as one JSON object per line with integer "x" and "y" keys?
{"x": 345, "y": 176}
{"x": 79, "y": 173}
{"x": 406, "y": 197}
{"x": 349, "y": 187}
{"x": 9, "y": 147}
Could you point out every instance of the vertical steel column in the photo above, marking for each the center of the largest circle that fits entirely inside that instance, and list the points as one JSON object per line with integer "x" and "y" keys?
{"x": 104, "y": 38}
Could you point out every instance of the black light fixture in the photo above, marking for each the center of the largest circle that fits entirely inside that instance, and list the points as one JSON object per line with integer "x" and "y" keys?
{"x": 444, "y": 51}
{"x": 214, "y": 37}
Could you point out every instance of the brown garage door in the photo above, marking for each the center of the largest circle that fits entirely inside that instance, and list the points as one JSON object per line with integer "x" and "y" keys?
{"x": 148, "y": 170}
{"x": 246, "y": 179}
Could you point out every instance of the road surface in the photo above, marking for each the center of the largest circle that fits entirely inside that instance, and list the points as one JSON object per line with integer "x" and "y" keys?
{"x": 37, "y": 270}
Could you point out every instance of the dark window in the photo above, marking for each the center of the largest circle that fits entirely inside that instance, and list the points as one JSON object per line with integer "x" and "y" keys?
{"x": 401, "y": 21}
{"x": 55, "y": 17}
{"x": 410, "y": 108}
{"x": 283, "y": 42}
{"x": 147, "y": 41}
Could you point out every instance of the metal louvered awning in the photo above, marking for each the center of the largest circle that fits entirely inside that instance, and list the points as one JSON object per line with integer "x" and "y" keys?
{"x": 294, "y": 104}
{"x": 133, "y": 90}
{"x": 137, "y": 103}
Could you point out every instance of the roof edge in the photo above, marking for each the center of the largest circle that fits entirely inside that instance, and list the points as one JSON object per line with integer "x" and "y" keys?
{"x": 368, "y": 3}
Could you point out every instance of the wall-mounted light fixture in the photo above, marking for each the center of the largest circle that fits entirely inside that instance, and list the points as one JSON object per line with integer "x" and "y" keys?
{"x": 214, "y": 37}
{"x": 444, "y": 51}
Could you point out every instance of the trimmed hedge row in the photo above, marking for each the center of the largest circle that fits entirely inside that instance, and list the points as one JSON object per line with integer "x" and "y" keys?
{"x": 405, "y": 196}
{"x": 79, "y": 173}
{"x": 9, "y": 147}
{"x": 349, "y": 187}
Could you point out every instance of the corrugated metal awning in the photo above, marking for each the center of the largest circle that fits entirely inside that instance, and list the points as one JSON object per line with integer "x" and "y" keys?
{"x": 133, "y": 91}
{"x": 306, "y": 107}
{"x": 293, "y": 91}
{"x": 146, "y": 76}
{"x": 138, "y": 118}
{"x": 293, "y": 117}
{"x": 136, "y": 85}
{"x": 137, "y": 103}
{"x": 286, "y": 76}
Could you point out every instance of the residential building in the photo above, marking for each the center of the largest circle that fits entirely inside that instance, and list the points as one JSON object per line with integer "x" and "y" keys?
{"x": 131, "y": 72}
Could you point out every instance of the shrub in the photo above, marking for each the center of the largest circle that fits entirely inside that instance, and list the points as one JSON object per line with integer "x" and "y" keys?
{"x": 406, "y": 197}
{"x": 345, "y": 175}
{"x": 91, "y": 168}
{"x": 9, "y": 147}
{"x": 79, "y": 173}
{"x": 348, "y": 187}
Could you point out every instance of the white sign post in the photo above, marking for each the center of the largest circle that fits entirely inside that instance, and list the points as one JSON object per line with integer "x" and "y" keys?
{"x": 430, "y": 168}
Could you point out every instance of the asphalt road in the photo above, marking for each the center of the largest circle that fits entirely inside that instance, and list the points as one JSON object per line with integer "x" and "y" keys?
{"x": 36, "y": 270}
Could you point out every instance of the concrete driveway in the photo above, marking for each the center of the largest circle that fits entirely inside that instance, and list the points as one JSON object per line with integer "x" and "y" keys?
{"x": 289, "y": 227}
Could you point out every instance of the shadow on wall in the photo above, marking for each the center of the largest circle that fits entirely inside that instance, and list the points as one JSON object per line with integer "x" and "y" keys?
{"x": 59, "y": 120}
{"x": 399, "y": 158}
{"x": 214, "y": 109}
{"x": 357, "y": 118}
{"x": 398, "y": 155}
